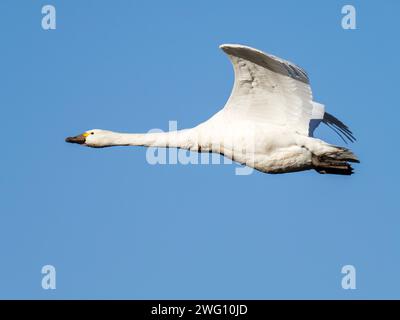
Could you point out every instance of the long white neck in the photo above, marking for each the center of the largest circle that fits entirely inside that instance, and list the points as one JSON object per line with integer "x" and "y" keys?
{"x": 186, "y": 139}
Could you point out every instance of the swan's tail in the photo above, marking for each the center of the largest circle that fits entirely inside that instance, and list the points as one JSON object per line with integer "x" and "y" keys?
{"x": 335, "y": 162}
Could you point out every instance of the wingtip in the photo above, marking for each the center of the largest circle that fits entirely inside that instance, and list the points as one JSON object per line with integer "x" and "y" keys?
{"x": 227, "y": 46}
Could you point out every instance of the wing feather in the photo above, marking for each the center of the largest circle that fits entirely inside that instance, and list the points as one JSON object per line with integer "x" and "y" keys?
{"x": 268, "y": 89}
{"x": 339, "y": 127}
{"x": 271, "y": 90}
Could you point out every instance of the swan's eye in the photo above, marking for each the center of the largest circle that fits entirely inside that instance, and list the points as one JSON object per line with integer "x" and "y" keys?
{"x": 92, "y": 133}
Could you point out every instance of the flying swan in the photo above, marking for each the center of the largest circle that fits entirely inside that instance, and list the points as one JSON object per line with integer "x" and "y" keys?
{"x": 267, "y": 123}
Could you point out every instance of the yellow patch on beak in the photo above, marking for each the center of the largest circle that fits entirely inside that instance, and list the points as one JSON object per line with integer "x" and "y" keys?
{"x": 86, "y": 134}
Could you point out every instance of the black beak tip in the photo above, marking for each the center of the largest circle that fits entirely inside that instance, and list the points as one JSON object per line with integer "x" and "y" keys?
{"x": 78, "y": 139}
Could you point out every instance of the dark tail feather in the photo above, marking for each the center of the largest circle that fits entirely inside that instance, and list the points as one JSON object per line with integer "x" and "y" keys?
{"x": 339, "y": 127}
{"x": 336, "y": 162}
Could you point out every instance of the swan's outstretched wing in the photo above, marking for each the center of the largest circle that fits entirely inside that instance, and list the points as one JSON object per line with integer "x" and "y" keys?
{"x": 272, "y": 90}
{"x": 269, "y": 90}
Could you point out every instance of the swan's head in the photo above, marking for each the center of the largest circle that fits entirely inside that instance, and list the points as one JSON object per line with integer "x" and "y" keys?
{"x": 95, "y": 138}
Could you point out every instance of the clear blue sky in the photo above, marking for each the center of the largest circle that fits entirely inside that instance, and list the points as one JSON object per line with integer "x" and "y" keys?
{"x": 116, "y": 227}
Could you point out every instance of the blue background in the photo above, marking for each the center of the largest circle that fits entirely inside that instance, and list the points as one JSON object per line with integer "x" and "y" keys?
{"x": 116, "y": 227}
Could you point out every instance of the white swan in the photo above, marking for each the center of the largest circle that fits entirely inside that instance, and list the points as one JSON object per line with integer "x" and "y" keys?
{"x": 267, "y": 123}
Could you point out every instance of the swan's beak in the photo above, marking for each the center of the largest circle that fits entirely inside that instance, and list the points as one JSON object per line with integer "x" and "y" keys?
{"x": 78, "y": 139}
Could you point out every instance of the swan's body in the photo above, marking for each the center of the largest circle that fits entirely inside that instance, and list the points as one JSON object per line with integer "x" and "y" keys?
{"x": 266, "y": 124}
